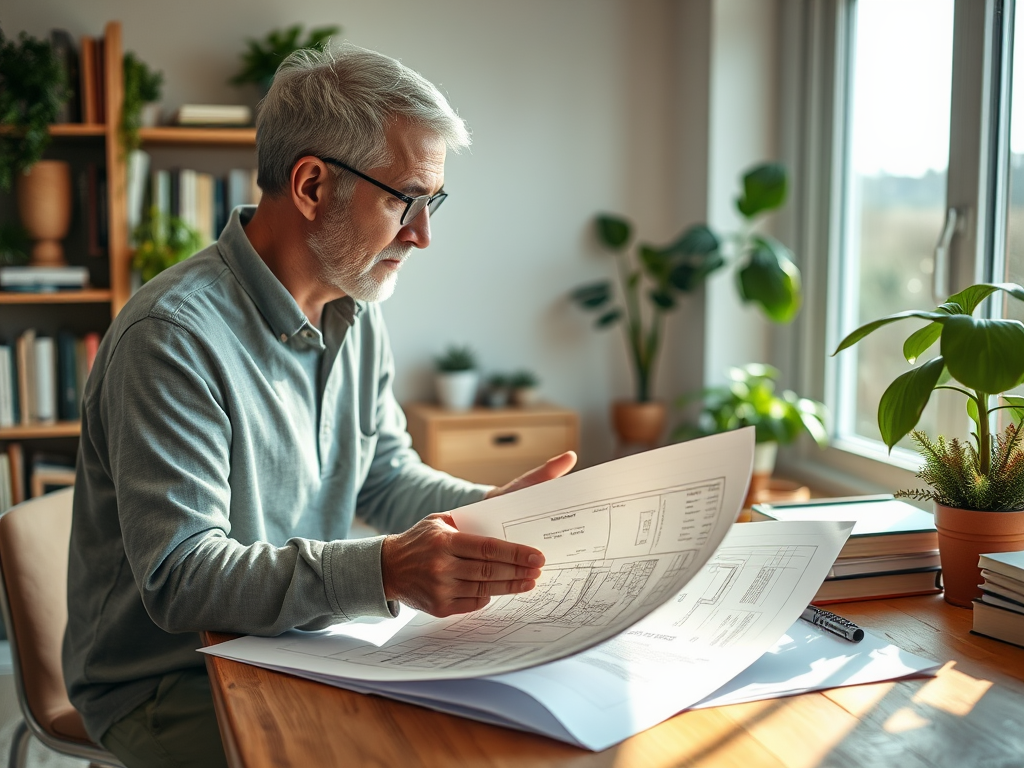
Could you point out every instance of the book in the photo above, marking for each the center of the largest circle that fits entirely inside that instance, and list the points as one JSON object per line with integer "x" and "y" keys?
{"x": 67, "y": 377}
{"x": 884, "y": 525}
{"x": 991, "y": 587}
{"x": 92, "y": 346}
{"x": 213, "y": 114}
{"x": 1010, "y": 564}
{"x": 46, "y": 380}
{"x": 1002, "y": 602}
{"x": 138, "y": 170}
{"x": 1005, "y": 582}
{"x": 874, "y": 587}
{"x": 6, "y": 386}
{"x": 5, "y": 482}
{"x": 16, "y": 457}
{"x": 998, "y": 623}
{"x": 43, "y": 279}
{"x": 67, "y": 55}
{"x": 25, "y": 362}
{"x": 87, "y": 80}
{"x": 860, "y": 566}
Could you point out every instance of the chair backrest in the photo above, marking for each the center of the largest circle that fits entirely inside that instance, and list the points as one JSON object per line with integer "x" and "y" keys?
{"x": 34, "y": 540}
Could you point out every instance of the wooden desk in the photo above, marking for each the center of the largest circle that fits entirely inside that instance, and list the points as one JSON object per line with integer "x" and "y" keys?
{"x": 972, "y": 714}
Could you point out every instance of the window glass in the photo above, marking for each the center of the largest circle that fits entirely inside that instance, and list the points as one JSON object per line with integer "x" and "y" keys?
{"x": 894, "y": 192}
{"x": 1015, "y": 217}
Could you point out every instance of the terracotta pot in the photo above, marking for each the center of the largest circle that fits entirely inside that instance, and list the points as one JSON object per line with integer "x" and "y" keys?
{"x": 638, "y": 423}
{"x": 964, "y": 535}
{"x": 44, "y": 206}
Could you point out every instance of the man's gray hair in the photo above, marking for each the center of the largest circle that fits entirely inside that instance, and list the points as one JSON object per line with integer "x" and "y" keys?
{"x": 339, "y": 103}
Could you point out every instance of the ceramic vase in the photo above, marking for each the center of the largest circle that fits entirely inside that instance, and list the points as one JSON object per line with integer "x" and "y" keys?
{"x": 638, "y": 423}
{"x": 966, "y": 534}
{"x": 44, "y": 206}
{"x": 456, "y": 390}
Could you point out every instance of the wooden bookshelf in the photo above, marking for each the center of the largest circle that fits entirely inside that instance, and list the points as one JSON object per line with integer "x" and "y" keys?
{"x": 65, "y": 130}
{"x": 171, "y": 135}
{"x": 87, "y": 296}
{"x": 30, "y": 431}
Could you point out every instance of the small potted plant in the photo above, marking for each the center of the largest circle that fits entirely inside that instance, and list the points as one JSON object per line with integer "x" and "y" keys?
{"x": 524, "y": 386}
{"x": 263, "y": 57}
{"x": 457, "y": 378}
{"x": 750, "y": 400}
{"x": 977, "y": 485}
{"x": 498, "y": 390}
{"x": 161, "y": 241}
{"x": 142, "y": 88}
{"x": 652, "y": 281}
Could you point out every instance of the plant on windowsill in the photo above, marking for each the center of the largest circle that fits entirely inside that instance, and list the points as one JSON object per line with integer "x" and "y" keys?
{"x": 977, "y": 486}
{"x": 652, "y": 281}
{"x": 263, "y": 57}
{"x": 457, "y": 378}
{"x": 750, "y": 400}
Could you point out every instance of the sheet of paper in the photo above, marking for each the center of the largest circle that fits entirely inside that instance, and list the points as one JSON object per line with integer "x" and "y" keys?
{"x": 620, "y": 539}
{"x": 807, "y": 658}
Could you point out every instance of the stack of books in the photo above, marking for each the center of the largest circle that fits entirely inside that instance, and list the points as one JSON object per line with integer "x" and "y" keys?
{"x": 893, "y": 550}
{"x": 999, "y": 613}
{"x": 43, "y": 279}
{"x": 213, "y": 114}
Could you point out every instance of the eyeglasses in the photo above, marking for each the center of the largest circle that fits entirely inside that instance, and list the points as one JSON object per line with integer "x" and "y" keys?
{"x": 413, "y": 205}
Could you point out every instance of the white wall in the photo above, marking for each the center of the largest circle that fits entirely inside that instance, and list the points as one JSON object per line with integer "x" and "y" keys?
{"x": 576, "y": 106}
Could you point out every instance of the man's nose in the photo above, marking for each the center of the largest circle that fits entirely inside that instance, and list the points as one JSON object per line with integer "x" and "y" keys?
{"x": 417, "y": 231}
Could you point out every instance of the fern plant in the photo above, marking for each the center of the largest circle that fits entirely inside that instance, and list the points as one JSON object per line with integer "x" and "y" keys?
{"x": 263, "y": 57}
{"x": 953, "y": 471}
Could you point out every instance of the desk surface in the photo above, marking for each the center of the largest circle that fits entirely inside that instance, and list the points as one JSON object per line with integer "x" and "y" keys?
{"x": 971, "y": 714}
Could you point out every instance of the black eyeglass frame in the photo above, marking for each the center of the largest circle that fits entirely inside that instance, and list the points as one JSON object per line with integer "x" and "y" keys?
{"x": 430, "y": 202}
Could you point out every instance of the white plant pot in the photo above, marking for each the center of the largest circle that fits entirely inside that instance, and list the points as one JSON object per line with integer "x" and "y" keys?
{"x": 764, "y": 458}
{"x": 456, "y": 391}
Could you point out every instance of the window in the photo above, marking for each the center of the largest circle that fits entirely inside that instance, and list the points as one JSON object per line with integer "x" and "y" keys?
{"x": 904, "y": 107}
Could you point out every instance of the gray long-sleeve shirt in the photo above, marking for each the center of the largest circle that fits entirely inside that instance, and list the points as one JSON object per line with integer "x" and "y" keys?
{"x": 226, "y": 445}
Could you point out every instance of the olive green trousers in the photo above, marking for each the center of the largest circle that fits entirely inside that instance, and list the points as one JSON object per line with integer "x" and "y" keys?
{"x": 177, "y": 727}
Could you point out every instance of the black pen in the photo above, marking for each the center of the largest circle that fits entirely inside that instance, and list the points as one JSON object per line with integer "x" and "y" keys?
{"x": 837, "y": 625}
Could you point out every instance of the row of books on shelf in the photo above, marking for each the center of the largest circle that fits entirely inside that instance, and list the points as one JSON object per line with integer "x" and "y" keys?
{"x": 42, "y": 377}
{"x": 202, "y": 200}
{"x": 999, "y": 612}
{"x": 42, "y": 474}
{"x": 84, "y": 64}
{"x": 893, "y": 550}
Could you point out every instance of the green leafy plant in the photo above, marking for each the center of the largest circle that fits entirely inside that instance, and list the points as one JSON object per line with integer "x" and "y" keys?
{"x": 523, "y": 379}
{"x": 141, "y": 86}
{"x": 980, "y": 358}
{"x": 456, "y": 359}
{"x": 161, "y": 242}
{"x": 750, "y": 400}
{"x": 765, "y": 272}
{"x": 14, "y": 245}
{"x": 33, "y": 88}
{"x": 262, "y": 57}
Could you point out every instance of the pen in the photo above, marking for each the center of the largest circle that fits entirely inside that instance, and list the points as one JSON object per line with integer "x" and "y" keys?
{"x": 832, "y": 623}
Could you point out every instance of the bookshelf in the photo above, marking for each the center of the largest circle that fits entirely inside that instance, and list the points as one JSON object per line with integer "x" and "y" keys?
{"x": 91, "y": 309}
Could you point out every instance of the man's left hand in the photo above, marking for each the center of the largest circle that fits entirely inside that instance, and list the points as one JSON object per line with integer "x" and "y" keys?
{"x": 552, "y": 468}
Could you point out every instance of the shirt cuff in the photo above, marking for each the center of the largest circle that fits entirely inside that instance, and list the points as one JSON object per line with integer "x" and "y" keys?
{"x": 353, "y": 579}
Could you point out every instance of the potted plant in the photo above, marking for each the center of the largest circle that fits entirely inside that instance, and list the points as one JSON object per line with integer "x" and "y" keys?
{"x": 142, "y": 86}
{"x": 33, "y": 88}
{"x": 161, "y": 241}
{"x": 457, "y": 378}
{"x": 524, "y": 385}
{"x": 652, "y": 280}
{"x": 977, "y": 485}
{"x": 498, "y": 390}
{"x": 263, "y": 57}
{"x": 750, "y": 400}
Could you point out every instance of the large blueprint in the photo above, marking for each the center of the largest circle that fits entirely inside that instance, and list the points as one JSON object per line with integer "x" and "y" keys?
{"x": 620, "y": 539}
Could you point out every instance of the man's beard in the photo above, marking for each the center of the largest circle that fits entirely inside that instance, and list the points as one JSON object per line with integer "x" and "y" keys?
{"x": 337, "y": 259}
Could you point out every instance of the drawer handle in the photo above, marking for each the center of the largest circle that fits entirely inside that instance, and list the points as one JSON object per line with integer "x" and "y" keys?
{"x": 511, "y": 439}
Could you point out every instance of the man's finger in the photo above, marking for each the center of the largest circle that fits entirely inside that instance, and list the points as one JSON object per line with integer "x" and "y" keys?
{"x": 552, "y": 468}
{"x": 472, "y": 547}
{"x": 493, "y": 588}
{"x": 489, "y": 570}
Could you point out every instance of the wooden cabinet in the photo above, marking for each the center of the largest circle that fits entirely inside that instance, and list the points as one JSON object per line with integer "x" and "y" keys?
{"x": 491, "y": 445}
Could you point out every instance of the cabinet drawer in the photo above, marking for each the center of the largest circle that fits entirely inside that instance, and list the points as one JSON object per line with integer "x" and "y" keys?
{"x": 490, "y": 444}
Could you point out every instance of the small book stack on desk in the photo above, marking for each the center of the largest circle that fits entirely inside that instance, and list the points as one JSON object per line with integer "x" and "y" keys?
{"x": 1000, "y": 611}
{"x": 893, "y": 550}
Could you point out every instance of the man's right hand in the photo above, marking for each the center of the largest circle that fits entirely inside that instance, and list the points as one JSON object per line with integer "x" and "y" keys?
{"x": 434, "y": 568}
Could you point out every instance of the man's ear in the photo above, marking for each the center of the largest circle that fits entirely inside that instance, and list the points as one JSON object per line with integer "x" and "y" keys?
{"x": 308, "y": 186}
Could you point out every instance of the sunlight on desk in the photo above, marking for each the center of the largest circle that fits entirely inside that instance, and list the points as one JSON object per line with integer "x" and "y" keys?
{"x": 904, "y": 720}
{"x": 860, "y": 699}
{"x": 952, "y": 691}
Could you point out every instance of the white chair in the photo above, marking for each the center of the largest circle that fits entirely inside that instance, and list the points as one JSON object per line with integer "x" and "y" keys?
{"x": 34, "y": 539}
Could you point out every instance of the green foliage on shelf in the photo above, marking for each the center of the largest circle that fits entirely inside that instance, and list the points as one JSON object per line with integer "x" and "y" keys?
{"x": 14, "y": 245}
{"x": 33, "y": 88}
{"x": 750, "y": 400}
{"x": 161, "y": 242}
{"x": 141, "y": 86}
{"x": 262, "y": 57}
{"x": 523, "y": 379}
{"x": 455, "y": 359}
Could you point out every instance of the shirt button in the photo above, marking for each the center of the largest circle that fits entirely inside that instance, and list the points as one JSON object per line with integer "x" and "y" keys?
{"x": 284, "y": 337}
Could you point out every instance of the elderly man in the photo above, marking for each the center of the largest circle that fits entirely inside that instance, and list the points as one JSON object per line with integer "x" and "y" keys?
{"x": 240, "y": 412}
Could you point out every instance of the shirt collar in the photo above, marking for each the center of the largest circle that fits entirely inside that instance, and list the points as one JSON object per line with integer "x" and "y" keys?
{"x": 271, "y": 298}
